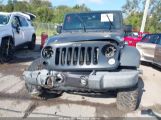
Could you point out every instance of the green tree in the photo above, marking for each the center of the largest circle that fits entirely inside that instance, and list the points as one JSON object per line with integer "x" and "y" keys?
{"x": 40, "y": 3}
{"x": 10, "y": 6}
{"x": 81, "y": 8}
{"x": 21, "y": 6}
{"x": 134, "y": 9}
{"x": 44, "y": 14}
{"x": 1, "y": 5}
{"x": 44, "y": 10}
{"x": 60, "y": 11}
{"x": 131, "y": 7}
{"x": 134, "y": 19}
{"x": 154, "y": 20}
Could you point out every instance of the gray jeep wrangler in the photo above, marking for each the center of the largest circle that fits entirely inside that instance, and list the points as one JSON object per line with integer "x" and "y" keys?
{"x": 88, "y": 55}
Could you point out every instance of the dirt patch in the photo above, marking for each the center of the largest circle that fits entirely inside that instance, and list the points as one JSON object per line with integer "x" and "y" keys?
{"x": 20, "y": 95}
{"x": 16, "y": 67}
{"x": 102, "y": 110}
{"x": 12, "y": 69}
{"x": 109, "y": 110}
{"x": 30, "y": 109}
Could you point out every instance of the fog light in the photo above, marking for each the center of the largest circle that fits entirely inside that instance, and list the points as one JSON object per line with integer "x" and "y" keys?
{"x": 83, "y": 81}
{"x": 111, "y": 61}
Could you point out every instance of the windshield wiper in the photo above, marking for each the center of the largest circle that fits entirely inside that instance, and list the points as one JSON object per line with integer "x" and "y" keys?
{"x": 111, "y": 24}
{"x": 82, "y": 22}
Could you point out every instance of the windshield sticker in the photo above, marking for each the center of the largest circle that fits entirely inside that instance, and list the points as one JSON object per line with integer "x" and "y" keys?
{"x": 106, "y": 17}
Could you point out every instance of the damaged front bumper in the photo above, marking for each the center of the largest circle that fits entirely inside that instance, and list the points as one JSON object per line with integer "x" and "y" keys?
{"x": 93, "y": 81}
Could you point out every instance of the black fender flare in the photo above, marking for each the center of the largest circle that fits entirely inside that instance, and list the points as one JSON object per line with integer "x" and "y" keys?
{"x": 129, "y": 57}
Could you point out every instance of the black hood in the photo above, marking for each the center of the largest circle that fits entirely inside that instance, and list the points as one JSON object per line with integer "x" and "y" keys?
{"x": 86, "y": 36}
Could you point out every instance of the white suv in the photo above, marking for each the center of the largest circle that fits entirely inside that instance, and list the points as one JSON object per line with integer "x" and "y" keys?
{"x": 15, "y": 30}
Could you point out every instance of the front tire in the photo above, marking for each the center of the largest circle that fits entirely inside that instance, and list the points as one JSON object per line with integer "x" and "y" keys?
{"x": 127, "y": 100}
{"x": 32, "y": 44}
{"x": 7, "y": 50}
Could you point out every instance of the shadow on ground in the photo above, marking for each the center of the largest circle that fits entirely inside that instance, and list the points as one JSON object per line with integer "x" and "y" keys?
{"x": 155, "y": 66}
{"x": 24, "y": 55}
{"x": 141, "y": 90}
{"x": 17, "y": 65}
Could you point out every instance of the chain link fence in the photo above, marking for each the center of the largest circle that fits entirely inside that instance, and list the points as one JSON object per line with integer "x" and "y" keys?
{"x": 48, "y": 28}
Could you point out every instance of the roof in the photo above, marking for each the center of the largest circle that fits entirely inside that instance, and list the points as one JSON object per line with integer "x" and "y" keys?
{"x": 27, "y": 15}
{"x": 5, "y": 13}
{"x": 22, "y": 14}
{"x": 113, "y": 11}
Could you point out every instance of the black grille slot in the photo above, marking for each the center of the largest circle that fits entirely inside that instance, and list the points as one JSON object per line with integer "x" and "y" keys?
{"x": 63, "y": 55}
{"x": 57, "y": 54}
{"x": 75, "y": 56}
{"x": 89, "y": 56}
{"x": 95, "y": 55}
{"x": 82, "y": 56}
{"x": 69, "y": 56}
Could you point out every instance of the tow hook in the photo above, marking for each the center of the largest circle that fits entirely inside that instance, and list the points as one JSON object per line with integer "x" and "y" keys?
{"x": 49, "y": 82}
{"x": 54, "y": 81}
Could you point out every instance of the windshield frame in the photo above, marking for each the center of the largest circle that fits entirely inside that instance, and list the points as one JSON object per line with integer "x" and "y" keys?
{"x": 8, "y": 17}
{"x": 84, "y": 27}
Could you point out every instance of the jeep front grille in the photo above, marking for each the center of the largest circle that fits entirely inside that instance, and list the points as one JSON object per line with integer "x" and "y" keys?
{"x": 77, "y": 56}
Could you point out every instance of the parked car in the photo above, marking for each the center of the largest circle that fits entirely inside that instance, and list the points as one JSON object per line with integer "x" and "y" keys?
{"x": 89, "y": 55}
{"x": 134, "y": 37}
{"x": 150, "y": 48}
{"x": 15, "y": 30}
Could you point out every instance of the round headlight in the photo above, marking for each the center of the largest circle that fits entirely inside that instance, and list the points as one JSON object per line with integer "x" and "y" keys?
{"x": 109, "y": 50}
{"x": 47, "y": 52}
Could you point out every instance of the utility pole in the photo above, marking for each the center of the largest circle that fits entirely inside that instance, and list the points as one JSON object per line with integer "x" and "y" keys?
{"x": 145, "y": 15}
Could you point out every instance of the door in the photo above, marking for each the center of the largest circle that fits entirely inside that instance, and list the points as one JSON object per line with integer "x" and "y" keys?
{"x": 24, "y": 26}
{"x": 157, "y": 57}
{"x": 17, "y": 32}
{"x": 148, "y": 46}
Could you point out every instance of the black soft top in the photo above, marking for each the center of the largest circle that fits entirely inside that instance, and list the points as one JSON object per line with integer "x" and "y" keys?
{"x": 108, "y": 11}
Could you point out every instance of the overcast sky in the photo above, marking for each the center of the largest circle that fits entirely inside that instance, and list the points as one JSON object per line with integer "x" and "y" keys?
{"x": 93, "y": 4}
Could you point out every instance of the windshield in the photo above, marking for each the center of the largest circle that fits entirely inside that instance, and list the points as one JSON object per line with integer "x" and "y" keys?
{"x": 98, "y": 20}
{"x": 4, "y": 19}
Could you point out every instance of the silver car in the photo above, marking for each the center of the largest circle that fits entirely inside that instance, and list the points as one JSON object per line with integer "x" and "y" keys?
{"x": 150, "y": 48}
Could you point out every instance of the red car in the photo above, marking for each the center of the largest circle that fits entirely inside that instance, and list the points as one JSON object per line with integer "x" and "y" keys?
{"x": 133, "y": 37}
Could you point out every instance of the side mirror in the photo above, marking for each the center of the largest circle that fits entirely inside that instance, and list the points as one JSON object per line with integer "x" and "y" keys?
{"x": 59, "y": 29}
{"x": 127, "y": 28}
{"x": 17, "y": 28}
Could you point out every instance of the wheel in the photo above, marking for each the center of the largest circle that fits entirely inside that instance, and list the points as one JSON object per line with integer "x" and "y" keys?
{"x": 32, "y": 44}
{"x": 7, "y": 50}
{"x": 127, "y": 100}
{"x": 37, "y": 91}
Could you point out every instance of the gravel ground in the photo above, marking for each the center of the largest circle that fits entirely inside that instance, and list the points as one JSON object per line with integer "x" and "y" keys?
{"x": 15, "y": 101}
